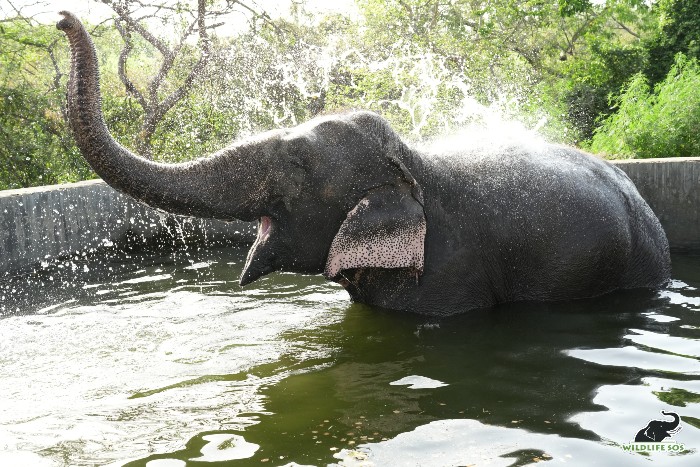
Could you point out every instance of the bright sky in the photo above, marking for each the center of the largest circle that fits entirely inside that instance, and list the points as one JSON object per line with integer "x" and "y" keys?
{"x": 95, "y": 12}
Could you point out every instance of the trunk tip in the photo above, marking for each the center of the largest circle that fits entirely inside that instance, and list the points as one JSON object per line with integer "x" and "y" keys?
{"x": 69, "y": 21}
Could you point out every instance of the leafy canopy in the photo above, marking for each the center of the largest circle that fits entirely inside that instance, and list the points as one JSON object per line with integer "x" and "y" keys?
{"x": 659, "y": 122}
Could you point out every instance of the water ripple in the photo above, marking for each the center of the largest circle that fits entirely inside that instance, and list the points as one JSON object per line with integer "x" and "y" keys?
{"x": 682, "y": 346}
{"x": 633, "y": 357}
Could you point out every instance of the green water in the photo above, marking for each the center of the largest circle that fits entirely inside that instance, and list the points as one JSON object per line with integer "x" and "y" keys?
{"x": 141, "y": 360}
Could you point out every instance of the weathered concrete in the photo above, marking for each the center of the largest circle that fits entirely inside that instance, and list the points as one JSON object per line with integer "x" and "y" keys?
{"x": 672, "y": 189}
{"x": 54, "y": 221}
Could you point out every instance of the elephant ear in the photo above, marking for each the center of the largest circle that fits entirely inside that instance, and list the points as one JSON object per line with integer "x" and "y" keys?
{"x": 386, "y": 229}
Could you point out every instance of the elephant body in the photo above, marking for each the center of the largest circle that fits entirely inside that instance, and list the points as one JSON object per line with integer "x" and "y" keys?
{"x": 537, "y": 222}
{"x": 434, "y": 232}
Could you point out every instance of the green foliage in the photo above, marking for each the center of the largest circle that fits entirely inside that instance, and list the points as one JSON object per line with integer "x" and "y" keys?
{"x": 35, "y": 145}
{"x": 662, "y": 122}
{"x": 590, "y": 83}
{"x": 32, "y": 148}
{"x": 571, "y": 7}
{"x": 439, "y": 65}
{"x": 678, "y": 31}
{"x": 602, "y": 51}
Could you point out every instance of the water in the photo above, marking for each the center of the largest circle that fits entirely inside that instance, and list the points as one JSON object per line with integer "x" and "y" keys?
{"x": 141, "y": 360}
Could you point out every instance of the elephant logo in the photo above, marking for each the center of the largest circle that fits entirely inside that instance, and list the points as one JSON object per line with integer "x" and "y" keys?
{"x": 658, "y": 430}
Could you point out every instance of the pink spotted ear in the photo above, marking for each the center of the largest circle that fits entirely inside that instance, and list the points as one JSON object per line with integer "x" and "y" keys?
{"x": 386, "y": 229}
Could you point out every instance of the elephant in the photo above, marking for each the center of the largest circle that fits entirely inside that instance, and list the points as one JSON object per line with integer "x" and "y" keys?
{"x": 658, "y": 430}
{"x": 424, "y": 231}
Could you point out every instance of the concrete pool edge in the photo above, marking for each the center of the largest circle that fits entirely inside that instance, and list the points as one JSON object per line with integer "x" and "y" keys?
{"x": 41, "y": 223}
{"x": 671, "y": 187}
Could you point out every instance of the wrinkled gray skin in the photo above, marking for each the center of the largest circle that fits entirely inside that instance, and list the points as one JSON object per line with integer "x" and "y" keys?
{"x": 658, "y": 430}
{"x": 344, "y": 196}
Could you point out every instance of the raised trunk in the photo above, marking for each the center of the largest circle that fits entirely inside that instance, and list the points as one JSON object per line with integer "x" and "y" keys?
{"x": 212, "y": 187}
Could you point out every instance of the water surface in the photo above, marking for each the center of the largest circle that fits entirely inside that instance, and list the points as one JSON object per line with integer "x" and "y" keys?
{"x": 141, "y": 360}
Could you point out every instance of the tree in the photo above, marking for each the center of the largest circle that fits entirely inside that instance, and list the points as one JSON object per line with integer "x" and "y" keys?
{"x": 181, "y": 63}
{"x": 678, "y": 31}
{"x": 35, "y": 144}
{"x": 662, "y": 121}
{"x": 154, "y": 104}
{"x": 601, "y": 49}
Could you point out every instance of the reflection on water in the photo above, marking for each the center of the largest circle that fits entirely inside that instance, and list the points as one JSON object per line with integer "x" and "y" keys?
{"x": 146, "y": 361}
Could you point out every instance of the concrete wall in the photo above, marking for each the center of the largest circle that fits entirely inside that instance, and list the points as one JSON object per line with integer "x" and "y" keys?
{"x": 54, "y": 221}
{"x": 672, "y": 189}
{"x": 49, "y": 222}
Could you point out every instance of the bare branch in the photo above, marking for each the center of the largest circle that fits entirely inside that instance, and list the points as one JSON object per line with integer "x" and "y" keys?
{"x": 130, "y": 19}
{"x": 205, "y": 47}
{"x": 257, "y": 14}
{"x": 628, "y": 30}
{"x": 123, "y": 56}
{"x": 125, "y": 16}
{"x": 19, "y": 14}
{"x": 57, "y": 75}
{"x": 578, "y": 33}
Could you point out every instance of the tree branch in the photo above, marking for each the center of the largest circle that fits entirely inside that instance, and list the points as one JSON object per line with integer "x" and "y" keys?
{"x": 125, "y": 16}
{"x": 123, "y": 56}
{"x": 205, "y": 47}
{"x": 629, "y": 31}
{"x": 264, "y": 16}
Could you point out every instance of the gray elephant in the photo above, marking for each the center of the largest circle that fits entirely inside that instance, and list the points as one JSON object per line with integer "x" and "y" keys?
{"x": 399, "y": 228}
{"x": 658, "y": 430}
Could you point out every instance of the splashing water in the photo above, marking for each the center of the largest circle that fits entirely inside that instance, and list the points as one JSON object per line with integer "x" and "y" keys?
{"x": 436, "y": 99}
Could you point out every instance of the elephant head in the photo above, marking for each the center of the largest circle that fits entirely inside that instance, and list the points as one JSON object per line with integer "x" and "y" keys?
{"x": 333, "y": 194}
{"x": 658, "y": 430}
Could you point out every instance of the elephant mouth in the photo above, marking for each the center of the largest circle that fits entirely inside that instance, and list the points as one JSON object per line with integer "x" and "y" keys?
{"x": 264, "y": 227}
{"x": 261, "y": 257}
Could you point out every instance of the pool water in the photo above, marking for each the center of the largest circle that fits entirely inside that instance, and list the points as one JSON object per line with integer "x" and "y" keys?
{"x": 163, "y": 361}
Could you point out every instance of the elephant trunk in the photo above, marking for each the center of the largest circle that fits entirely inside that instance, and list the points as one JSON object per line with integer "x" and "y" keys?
{"x": 211, "y": 187}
